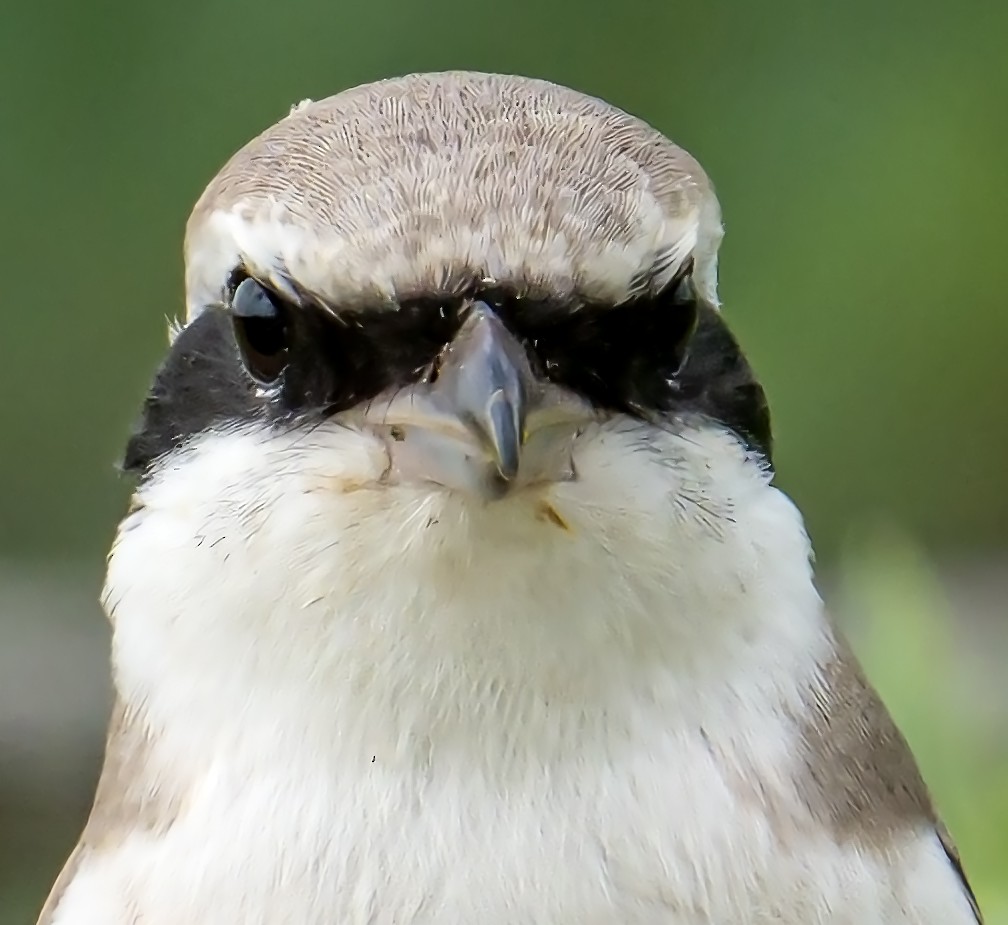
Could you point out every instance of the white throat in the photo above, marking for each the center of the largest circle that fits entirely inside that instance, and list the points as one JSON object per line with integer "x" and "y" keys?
{"x": 268, "y": 577}
{"x": 353, "y": 689}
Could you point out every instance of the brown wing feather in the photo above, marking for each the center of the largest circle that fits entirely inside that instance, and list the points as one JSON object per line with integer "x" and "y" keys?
{"x": 861, "y": 779}
{"x": 124, "y": 800}
{"x": 64, "y": 879}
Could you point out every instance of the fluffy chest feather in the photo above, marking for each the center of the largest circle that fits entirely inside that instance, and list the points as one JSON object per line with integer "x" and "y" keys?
{"x": 577, "y": 708}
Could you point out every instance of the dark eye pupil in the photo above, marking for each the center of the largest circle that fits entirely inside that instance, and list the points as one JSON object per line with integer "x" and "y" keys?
{"x": 264, "y": 335}
{"x": 260, "y": 326}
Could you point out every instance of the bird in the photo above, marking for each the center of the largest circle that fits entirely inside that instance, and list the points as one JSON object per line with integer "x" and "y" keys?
{"x": 456, "y": 584}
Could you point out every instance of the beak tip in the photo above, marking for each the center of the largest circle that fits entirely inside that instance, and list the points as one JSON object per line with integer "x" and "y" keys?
{"x": 505, "y": 424}
{"x": 507, "y": 470}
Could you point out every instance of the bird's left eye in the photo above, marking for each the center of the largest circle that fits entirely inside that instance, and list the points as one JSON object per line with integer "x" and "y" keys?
{"x": 260, "y": 325}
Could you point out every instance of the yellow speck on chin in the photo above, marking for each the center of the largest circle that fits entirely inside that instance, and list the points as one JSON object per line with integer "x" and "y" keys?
{"x": 343, "y": 485}
{"x": 546, "y": 511}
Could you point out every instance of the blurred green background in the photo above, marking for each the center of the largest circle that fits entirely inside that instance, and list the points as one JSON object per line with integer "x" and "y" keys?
{"x": 859, "y": 152}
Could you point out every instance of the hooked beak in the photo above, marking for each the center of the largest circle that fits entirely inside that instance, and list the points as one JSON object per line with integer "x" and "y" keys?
{"x": 485, "y": 379}
{"x": 483, "y": 422}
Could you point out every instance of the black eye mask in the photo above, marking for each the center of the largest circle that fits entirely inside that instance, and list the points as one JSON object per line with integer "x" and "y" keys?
{"x": 259, "y": 357}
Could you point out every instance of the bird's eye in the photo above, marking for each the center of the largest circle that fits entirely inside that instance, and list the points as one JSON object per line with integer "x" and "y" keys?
{"x": 260, "y": 325}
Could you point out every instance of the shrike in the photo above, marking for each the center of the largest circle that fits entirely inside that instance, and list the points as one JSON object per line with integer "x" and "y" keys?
{"x": 456, "y": 587}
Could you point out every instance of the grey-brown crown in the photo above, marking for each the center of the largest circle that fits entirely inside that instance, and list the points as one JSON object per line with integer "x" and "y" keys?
{"x": 436, "y": 183}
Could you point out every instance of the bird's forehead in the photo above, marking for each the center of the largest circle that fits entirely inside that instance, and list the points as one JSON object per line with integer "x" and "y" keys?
{"x": 436, "y": 183}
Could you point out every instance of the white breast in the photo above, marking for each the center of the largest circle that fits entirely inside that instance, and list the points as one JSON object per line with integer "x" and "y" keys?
{"x": 398, "y": 707}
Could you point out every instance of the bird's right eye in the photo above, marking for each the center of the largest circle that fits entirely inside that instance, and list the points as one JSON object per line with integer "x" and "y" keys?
{"x": 260, "y": 325}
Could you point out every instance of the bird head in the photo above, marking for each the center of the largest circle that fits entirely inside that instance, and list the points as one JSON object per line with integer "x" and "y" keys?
{"x": 453, "y": 403}
{"x": 468, "y": 270}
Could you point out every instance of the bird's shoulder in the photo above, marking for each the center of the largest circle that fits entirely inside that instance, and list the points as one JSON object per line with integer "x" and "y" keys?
{"x": 123, "y": 803}
{"x": 859, "y": 777}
